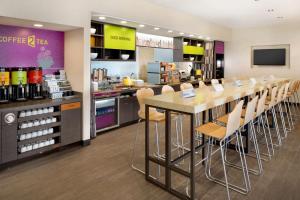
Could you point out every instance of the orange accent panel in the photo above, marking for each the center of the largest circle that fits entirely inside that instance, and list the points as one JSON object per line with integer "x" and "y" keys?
{"x": 70, "y": 106}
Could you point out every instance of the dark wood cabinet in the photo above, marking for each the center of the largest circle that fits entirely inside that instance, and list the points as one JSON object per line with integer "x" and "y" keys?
{"x": 128, "y": 110}
{"x": 24, "y": 134}
{"x": 72, "y": 131}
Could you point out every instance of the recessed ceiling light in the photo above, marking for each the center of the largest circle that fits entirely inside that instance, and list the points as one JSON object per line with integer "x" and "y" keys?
{"x": 156, "y": 28}
{"x": 38, "y": 25}
{"x": 170, "y": 31}
{"x": 270, "y": 10}
{"x": 191, "y": 35}
{"x": 181, "y": 33}
{"x": 279, "y": 17}
{"x": 141, "y": 25}
{"x": 123, "y": 22}
{"x": 102, "y": 18}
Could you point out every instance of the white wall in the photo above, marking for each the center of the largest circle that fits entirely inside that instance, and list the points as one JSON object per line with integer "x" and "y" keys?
{"x": 238, "y": 50}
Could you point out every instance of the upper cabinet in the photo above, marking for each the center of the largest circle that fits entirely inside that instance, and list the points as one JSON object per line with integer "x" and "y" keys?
{"x": 187, "y": 49}
{"x": 112, "y": 42}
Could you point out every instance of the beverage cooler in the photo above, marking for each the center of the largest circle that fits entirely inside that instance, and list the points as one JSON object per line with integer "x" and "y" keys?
{"x": 106, "y": 113}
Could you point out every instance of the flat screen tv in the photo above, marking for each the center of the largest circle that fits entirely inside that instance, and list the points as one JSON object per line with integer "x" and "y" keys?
{"x": 271, "y": 57}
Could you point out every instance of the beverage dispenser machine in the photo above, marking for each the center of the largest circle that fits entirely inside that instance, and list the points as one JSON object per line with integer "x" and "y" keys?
{"x": 19, "y": 84}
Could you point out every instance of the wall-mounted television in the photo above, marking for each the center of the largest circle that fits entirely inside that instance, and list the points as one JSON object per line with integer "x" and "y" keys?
{"x": 277, "y": 55}
{"x": 269, "y": 57}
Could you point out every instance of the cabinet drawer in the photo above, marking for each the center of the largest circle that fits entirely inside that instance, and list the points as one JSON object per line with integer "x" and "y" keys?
{"x": 71, "y": 123}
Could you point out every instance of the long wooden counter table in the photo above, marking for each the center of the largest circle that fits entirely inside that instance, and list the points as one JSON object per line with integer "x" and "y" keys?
{"x": 204, "y": 100}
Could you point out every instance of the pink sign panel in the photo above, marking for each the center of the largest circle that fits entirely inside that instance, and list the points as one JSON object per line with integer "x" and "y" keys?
{"x": 29, "y": 47}
{"x": 219, "y": 47}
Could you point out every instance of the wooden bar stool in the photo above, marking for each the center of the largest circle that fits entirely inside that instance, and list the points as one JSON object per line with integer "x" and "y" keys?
{"x": 262, "y": 121}
{"x": 186, "y": 86}
{"x": 279, "y": 108}
{"x": 249, "y": 116}
{"x": 214, "y": 81}
{"x": 293, "y": 95}
{"x": 287, "y": 106}
{"x": 178, "y": 121}
{"x": 270, "y": 107}
{"x": 202, "y": 84}
{"x": 155, "y": 117}
{"x": 224, "y": 135}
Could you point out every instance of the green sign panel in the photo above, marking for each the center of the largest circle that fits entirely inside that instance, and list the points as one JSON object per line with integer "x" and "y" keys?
{"x": 193, "y": 50}
{"x": 118, "y": 37}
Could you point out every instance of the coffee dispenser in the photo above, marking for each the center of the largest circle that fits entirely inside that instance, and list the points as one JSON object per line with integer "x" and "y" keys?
{"x": 19, "y": 84}
{"x": 4, "y": 85}
{"x": 35, "y": 81}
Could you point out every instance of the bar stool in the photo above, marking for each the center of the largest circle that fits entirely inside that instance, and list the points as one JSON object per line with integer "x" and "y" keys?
{"x": 225, "y": 135}
{"x": 270, "y": 107}
{"x": 287, "y": 107}
{"x": 292, "y": 96}
{"x": 178, "y": 120}
{"x": 279, "y": 108}
{"x": 249, "y": 115}
{"x": 154, "y": 116}
{"x": 201, "y": 84}
{"x": 262, "y": 119}
{"x": 214, "y": 81}
{"x": 186, "y": 86}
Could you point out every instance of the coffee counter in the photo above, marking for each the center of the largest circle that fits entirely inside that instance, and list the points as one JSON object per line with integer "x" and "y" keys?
{"x": 37, "y": 126}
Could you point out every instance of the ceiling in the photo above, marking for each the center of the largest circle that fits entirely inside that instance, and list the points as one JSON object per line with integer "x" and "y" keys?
{"x": 148, "y": 28}
{"x": 239, "y": 13}
{"x": 30, "y": 24}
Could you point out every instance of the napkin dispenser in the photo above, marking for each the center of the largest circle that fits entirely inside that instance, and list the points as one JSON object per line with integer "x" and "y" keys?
{"x": 188, "y": 93}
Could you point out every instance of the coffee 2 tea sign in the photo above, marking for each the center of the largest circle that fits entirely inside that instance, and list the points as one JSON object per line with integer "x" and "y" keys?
{"x": 26, "y": 47}
{"x": 118, "y": 37}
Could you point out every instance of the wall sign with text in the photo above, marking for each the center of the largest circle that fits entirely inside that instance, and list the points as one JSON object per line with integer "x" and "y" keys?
{"x": 118, "y": 37}
{"x": 26, "y": 47}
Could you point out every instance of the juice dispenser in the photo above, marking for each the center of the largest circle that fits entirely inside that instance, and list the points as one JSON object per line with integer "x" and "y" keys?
{"x": 4, "y": 85}
{"x": 35, "y": 81}
{"x": 19, "y": 83}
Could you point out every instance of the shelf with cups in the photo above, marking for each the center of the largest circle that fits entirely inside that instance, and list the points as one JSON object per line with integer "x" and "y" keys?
{"x": 38, "y": 116}
{"x": 34, "y": 127}
{"x": 39, "y": 150}
{"x": 40, "y": 127}
{"x": 38, "y": 138}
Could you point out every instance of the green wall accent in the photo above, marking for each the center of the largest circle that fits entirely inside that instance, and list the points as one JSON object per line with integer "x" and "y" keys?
{"x": 193, "y": 50}
{"x": 118, "y": 37}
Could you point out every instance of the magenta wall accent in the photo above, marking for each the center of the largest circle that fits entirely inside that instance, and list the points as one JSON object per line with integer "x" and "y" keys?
{"x": 219, "y": 47}
{"x": 26, "y": 47}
